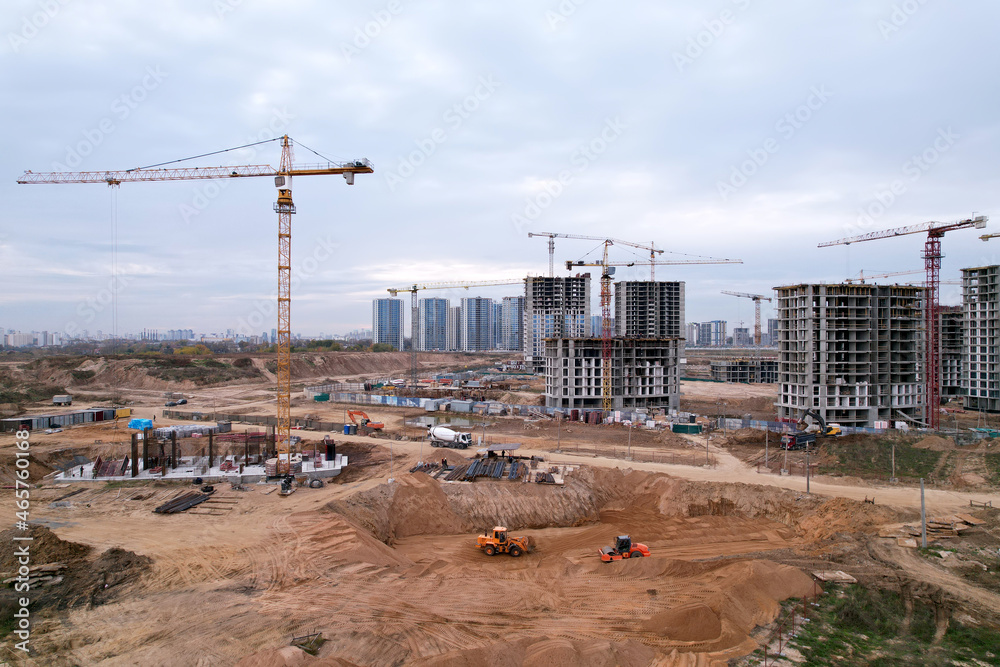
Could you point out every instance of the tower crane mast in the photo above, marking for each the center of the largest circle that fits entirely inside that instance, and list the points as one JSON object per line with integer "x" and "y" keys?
{"x": 607, "y": 270}
{"x": 757, "y": 298}
{"x": 284, "y": 207}
{"x": 932, "y": 266}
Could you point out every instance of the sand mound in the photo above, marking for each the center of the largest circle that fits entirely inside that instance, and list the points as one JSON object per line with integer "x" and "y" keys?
{"x": 692, "y": 623}
{"x": 841, "y": 515}
{"x": 935, "y": 443}
{"x": 46, "y": 547}
{"x": 413, "y": 505}
{"x": 334, "y": 541}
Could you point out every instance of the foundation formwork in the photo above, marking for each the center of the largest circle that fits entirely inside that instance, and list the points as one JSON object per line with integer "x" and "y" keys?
{"x": 745, "y": 371}
{"x": 645, "y": 373}
{"x": 853, "y": 353}
{"x": 981, "y": 344}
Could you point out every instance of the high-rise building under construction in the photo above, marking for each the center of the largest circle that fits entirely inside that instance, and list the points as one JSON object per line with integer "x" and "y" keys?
{"x": 852, "y": 353}
{"x": 554, "y": 308}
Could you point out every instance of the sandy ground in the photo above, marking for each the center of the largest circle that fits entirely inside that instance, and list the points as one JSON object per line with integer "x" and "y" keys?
{"x": 389, "y": 574}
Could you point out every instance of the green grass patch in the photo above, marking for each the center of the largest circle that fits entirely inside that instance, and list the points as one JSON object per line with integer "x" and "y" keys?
{"x": 201, "y": 371}
{"x": 873, "y": 458}
{"x": 860, "y": 626}
{"x": 993, "y": 467}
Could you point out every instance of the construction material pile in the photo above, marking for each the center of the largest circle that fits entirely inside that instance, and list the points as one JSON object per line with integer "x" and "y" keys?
{"x": 185, "y": 430}
{"x": 182, "y": 502}
{"x": 271, "y": 466}
{"x": 38, "y": 575}
{"x": 492, "y": 468}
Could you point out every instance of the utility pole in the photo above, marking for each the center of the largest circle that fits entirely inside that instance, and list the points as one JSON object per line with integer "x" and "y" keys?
{"x": 559, "y": 431}
{"x": 893, "y": 463}
{"x": 630, "y": 441}
{"x": 923, "y": 517}
{"x": 807, "y": 467}
{"x": 767, "y": 433}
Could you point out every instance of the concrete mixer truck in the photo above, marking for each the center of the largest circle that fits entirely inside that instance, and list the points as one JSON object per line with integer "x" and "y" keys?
{"x": 442, "y": 436}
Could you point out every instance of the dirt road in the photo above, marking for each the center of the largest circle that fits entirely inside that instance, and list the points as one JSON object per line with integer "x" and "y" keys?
{"x": 728, "y": 469}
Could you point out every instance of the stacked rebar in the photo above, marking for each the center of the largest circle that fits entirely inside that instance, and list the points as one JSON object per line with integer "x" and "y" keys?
{"x": 183, "y": 502}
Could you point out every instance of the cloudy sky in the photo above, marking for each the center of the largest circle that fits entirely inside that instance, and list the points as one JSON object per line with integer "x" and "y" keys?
{"x": 733, "y": 129}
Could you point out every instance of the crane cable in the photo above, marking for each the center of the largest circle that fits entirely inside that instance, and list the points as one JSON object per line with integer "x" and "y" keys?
{"x": 317, "y": 153}
{"x": 195, "y": 157}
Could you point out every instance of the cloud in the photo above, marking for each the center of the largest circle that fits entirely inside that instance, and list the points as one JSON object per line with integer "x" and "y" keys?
{"x": 559, "y": 83}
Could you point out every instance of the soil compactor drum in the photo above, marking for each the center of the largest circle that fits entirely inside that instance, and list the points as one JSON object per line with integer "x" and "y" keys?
{"x": 498, "y": 542}
{"x": 624, "y": 548}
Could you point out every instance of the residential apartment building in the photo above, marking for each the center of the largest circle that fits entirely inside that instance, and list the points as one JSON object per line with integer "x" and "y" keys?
{"x": 477, "y": 324}
{"x": 644, "y": 373}
{"x": 712, "y": 334}
{"x": 853, "y": 353}
{"x": 554, "y": 308}
{"x": 432, "y": 324}
{"x": 512, "y": 323}
{"x": 649, "y": 309}
{"x": 981, "y": 346}
{"x": 387, "y": 322}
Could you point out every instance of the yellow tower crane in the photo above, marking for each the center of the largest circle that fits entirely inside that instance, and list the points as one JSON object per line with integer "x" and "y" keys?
{"x": 414, "y": 314}
{"x": 284, "y": 207}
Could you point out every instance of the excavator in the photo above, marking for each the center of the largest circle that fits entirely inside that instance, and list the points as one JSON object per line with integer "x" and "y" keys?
{"x": 820, "y": 427}
{"x": 365, "y": 425}
{"x": 808, "y": 431}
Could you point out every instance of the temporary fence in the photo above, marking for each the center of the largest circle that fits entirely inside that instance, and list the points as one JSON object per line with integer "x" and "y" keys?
{"x": 489, "y": 407}
{"x": 797, "y": 469}
{"x": 785, "y": 427}
{"x": 642, "y": 454}
{"x": 260, "y": 420}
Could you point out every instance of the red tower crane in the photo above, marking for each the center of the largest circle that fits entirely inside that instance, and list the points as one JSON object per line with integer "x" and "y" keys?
{"x": 932, "y": 265}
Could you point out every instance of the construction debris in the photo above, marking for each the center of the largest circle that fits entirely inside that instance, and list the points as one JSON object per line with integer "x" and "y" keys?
{"x": 835, "y": 576}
